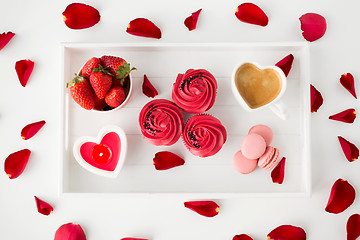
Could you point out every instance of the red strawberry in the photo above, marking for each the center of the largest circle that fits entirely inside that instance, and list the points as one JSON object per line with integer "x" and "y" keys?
{"x": 115, "y": 96}
{"x": 82, "y": 92}
{"x": 89, "y": 66}
{"x": 118, "y": 67}
{"x": 122, "y": 83}
{"x": 100, "y": 80}
{"x": 99, "y": 103}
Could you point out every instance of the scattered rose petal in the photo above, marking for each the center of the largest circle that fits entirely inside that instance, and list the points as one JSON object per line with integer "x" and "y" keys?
{"x": 31, "y": 129}
{"x": 166, "y": 160}
{"x": 24, "y": 69}
{"x": 342, "y": 195}
{"x": 130, "y": 238}
{"x": 277, "y": 174}
{"x": 251, "y": 13}
{"x": 316, "y": 99}
{"x": 287, "y": 232}
{"x": 347, "y": 116}
{"x": 70, "y": 231}
{"x": 347, "y": 81}
{"x": 204, "y": 208}
{"x": 16, "y": 162}
{"x": 43, "y": 207}
{"x": 350, "y": 150}
{"x": 242, "y": 237}
{"x": 353, "y": 227}
{"x": 5, "y": 38}
{"x": 191, "y": 21}
{"x": 80, "y": 16}
{"x": 313, "y": 26}
{"x": 144, "y": 28}
{"x": 148, "y": 89}
{"x": 285, "y": 64}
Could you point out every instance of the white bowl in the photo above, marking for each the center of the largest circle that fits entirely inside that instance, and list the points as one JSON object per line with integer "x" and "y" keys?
{"x": 128, "y": 91}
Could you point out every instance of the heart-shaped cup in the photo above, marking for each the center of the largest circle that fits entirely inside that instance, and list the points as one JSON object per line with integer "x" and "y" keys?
{"x": 103, "y": 155}
{"x": 256, "y": 87}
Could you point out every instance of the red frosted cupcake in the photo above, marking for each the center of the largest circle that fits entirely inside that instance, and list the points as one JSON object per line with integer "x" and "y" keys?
{"x": 204, "y": 135}
{"x": 161, "y": 122}
{"x": 195, "y": 91}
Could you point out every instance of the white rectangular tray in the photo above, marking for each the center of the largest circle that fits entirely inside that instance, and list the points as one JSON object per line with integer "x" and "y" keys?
{"x": 212, "y": 177}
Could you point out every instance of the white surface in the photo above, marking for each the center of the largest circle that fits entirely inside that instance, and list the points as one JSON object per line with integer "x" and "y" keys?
{"x": 212, "y": 177}
{"x": 40, "y": 30}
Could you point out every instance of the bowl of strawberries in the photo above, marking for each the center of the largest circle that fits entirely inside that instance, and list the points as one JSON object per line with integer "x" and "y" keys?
{"x": 102, "y": 84}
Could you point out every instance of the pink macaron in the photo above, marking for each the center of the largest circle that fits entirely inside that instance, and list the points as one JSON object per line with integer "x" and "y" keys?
{"x": 269, "y": 159}
{"x": 263, "y": 131}
{"x": 244, "y": 165}
{"x": 253, "y": 146}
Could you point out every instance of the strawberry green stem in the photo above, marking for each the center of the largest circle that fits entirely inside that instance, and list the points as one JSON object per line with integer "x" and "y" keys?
{"x": 76, "y": 79}
{"x": 123, "y": 71}
{"x": 100, "y": 68}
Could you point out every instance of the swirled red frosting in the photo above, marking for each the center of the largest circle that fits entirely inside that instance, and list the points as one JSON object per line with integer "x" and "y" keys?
{"x": 161, "y": 122}
{"x": 195, "y": 91}
{"x": 204, "y": 135}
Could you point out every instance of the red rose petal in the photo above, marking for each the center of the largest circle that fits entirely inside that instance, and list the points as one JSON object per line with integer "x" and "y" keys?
{"x": 277, "y": 174}
{"x": 287, "y": 232}
{"x": 31, "y": 129}
{"x": 342, "y": 195}
{"x": 251, "y": 13}
{"x": 70, "y": 231}
{"x": 285, "y": 64}
{"x": 43, "y": 207}
{"x": 5, "y": 38}
{"x": 130, "y": 238}
{"x": 166, "y": 160}
{"x": 316, "y": 99}
{"x": 148, "y": 89}
{"x": 80, "y": 16}
{"x": 204, "y": 208}
{"x": 347, "y": 116}
{"x": 350, "y": 150}
{"x": 242, "y": 237}
{"x": 353, "y": 227}
{"x": 24, "y": 69}
{"x": 347, "y": 80}
{"x": 191, "y": 21}
{"x": 144, "y": 28}
{"x": 16, "y": 162}
{"x": 313, "y": 26}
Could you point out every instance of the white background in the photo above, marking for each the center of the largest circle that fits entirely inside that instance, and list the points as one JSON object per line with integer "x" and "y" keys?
{"x": 39, "y": 31}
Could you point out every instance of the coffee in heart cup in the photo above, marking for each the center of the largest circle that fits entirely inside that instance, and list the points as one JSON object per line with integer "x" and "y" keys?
{"x": 103, "y": 155}
{"x": 256, "y": 87}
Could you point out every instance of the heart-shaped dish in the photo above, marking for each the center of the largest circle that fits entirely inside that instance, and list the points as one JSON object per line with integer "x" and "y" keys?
{"x": 103, "y": 155}
{"x": 256, "y": 87}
